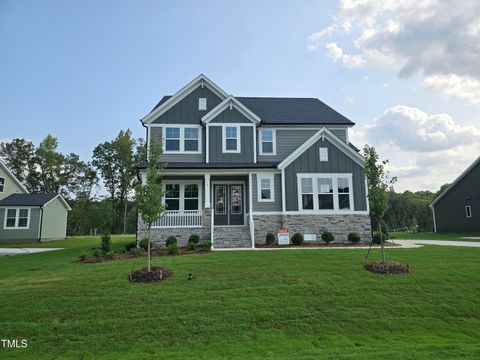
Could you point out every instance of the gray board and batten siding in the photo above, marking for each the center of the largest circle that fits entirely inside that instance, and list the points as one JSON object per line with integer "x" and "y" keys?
{"x": 450, "y": 209}
{"x": 186, "y": 110}
{"x": 216, "y": 154}
{"x": 338, "y": 163}
{"x": 267, "y": 206}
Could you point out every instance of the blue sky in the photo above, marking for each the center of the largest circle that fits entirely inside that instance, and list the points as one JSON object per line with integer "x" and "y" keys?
{"x": 83, "y": 70}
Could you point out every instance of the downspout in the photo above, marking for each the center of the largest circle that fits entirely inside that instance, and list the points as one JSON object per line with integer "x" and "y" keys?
{"x": 434, "y": 220}
{"x": 41, "y": 224}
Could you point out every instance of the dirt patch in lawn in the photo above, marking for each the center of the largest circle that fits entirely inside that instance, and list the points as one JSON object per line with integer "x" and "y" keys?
{"x": 144, "y": 276}
{"x": 387, "y": 268}
{"x": 134, "y": 255}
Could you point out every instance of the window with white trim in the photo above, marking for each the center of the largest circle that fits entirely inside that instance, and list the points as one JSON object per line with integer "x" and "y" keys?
{"x": 17, "y": 219}
{"x": 325, "y": 192}
{"x": 202, "y": 104}
{"x": 182, "y": 139}
{"x": 182, "y": 196}
{"x": 231, "y": 139}
{"x": 2, "y": 184}
{"x": 323, "y": 154}
{"x": 468, "y": 211}
{"x": 267, "y": 142}
{"x": 265, "y": 188}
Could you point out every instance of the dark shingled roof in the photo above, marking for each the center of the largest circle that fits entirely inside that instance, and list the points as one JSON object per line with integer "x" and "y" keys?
{"x": 27, "y": 199}
{"x": 285, "y": 111}
{"x": 198, "y": 165}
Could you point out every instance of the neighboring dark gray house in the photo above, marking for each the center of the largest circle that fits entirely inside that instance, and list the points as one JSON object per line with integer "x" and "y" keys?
{"x": 237, "y": 168}
{"x": 28, "y": 217}
{"x": 458, "y": 207}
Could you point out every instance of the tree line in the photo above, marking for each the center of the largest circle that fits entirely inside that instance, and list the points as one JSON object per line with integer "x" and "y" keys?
{"x": 44, "y": 169}
{"x": 101, "y": 191}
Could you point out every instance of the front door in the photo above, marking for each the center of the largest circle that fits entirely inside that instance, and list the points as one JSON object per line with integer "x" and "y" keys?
{"x": 228, "y": 200}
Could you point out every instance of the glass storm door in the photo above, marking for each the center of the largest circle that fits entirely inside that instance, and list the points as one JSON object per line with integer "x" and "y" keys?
{"x": 228, "y": 200}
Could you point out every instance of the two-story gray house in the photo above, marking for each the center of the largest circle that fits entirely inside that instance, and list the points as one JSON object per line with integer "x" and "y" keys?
{"x": 237, "y": 168}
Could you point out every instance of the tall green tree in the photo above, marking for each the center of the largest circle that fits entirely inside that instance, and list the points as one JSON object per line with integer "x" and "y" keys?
{"x": 50, "y": 166}
{"x": 17, "y": 155}
{"x": 378, "y": 184}
{"x": 124, "y": 146}
{"x": 105, "y": 161}
{"x": 149, "y": 195}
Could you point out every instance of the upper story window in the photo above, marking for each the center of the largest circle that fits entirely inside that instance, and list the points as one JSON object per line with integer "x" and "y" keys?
{"x": 182, "y": 139}
{"x": 231, "y": 139}
{"x": 17, "y": 219}
{"x": 2, "y": 184}
{"x": 268, "y": 142}
{"x": 202, "y": 104}
{"x": 265, "y": 187}
{"x": 325, "y": 192}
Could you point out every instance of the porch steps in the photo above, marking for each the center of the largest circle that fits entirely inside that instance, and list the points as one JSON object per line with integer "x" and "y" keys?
{"x": 231, "y": 237}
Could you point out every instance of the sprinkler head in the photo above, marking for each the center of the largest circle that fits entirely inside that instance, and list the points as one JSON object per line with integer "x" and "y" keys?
{"x": 190, "y": 276}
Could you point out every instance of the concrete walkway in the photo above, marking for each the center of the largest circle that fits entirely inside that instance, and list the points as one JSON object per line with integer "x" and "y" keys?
{"x": 419, "y": 243}
{"x": 20, "y": 251}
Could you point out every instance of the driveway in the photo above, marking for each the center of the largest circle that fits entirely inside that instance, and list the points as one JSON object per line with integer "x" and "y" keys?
{"x": 20, "y": 251}
{"x": 420, "y": 243}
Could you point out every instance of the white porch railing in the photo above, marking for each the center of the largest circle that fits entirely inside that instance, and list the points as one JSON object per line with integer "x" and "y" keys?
{"x": 176, "y": 218}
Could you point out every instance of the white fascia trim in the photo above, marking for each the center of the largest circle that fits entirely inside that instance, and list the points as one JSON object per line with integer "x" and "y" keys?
{"x": 200, "y": 80}
{"x": 15, "y": 180}
{"x": 233, "y": 102}
{"x": 224, "y": 139}
{"x": 457, "y": 180}
{"x": 17, "y": 217}
{"x": 270, "y": 177}
{"x": 274, "y": 141}
{"x": 360, "y": 160}
{"x": 434, "y": 220}
{"x": 182, "y": 128}
{"x": 62, "y": 200}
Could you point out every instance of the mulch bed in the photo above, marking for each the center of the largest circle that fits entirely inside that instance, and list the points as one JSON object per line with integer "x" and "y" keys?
{"x": 322, "y": 245}
{"x": 387, "y": 268}
{"x": 144, "y": 276}
{"x": 127, "y": 256}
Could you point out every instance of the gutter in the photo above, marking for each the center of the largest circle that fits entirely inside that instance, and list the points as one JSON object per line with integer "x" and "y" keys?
{"x": 41, "y": 224}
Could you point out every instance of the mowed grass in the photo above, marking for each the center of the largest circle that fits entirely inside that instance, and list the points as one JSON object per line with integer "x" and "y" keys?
{"x": 287, "y": 304}
{"x": 434, "y": 236}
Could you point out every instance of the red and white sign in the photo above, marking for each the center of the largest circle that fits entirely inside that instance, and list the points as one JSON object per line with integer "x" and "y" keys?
{"x": 283, "y": 236}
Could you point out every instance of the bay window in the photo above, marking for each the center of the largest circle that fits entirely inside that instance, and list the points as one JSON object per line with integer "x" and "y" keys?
{"x": 325, "y": 192}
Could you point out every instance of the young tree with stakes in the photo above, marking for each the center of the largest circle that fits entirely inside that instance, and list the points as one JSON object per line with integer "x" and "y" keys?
{"x": 149, "y": 196}
{"x": 378, "y": 184}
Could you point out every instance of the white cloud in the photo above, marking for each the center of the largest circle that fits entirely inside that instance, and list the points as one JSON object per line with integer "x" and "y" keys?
{"x": 425, "y": 150}
{"x": 438, "y": 39}
{"x": 454, "y": 86}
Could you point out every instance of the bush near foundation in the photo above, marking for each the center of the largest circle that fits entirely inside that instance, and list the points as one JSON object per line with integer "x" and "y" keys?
{"x": 270, "y": 239}
{"x": 354, "y": 237}
{"x": 328, "y": 237}
{"x": 297, "y": 239}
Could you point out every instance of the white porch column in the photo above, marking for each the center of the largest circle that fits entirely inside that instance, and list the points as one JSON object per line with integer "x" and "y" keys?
{"x": 207, "y": 191}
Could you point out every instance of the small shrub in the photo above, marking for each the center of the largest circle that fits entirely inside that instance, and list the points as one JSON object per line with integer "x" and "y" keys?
{"x": 171, "y": 240}
{"x": 328, "y": 237}
{"x": 109, "y": 254}
{"x": 83, "y": 256}
{"x": 105, "y": 242}
{"x": 191, "y": 246}
{"x": 297, "y": 239}
{"x": 97, "y": 253}
{"x": 144, "y": 244}
{"x": 270, "y": 239}
{"x": 207, "y": 245}
{"x": 354, "y": 237}
{"x": 194, "y": 239}
{"x": 136, "y": 251}
{"x": 173, "y": 249}
{"x": 130, "y": 246}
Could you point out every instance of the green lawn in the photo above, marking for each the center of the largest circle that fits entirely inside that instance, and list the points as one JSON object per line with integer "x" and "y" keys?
{"x": 434, "y": 236}
{"x": 265, "y": 304}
